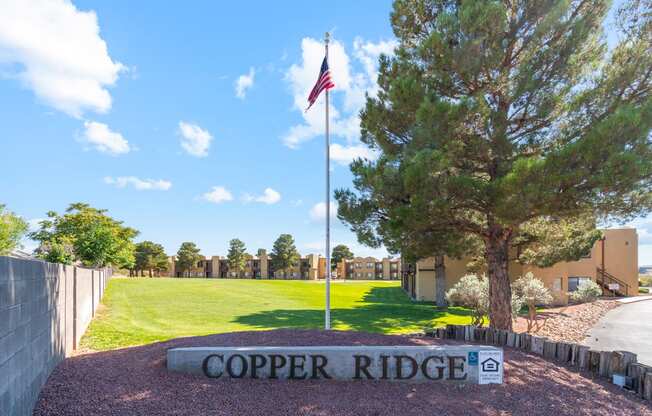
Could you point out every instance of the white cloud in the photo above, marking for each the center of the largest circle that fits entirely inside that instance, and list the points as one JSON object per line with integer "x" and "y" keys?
{"x": 194, "y": 139}
{"x": 103, "y": 139}
{"x": 269, "y": 197}
{"x": 318, "y": 211}
{"x": 218, "y": 195}
{"x": 344, "y": 121}
{"x": 61, "y": 55}
{"x": 244, "y": 82}
{"x": 344, "y": 155}
{"x": 138, "y": 184}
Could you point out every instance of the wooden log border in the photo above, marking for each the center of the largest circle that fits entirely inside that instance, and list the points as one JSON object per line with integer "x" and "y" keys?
{"x": 597, "y": 363}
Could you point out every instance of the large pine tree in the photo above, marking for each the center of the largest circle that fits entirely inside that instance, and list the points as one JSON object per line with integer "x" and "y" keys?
{"x": 497, "y": 121}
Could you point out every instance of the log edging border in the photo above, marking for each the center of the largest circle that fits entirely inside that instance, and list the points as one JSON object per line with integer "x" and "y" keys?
{"x": 602, "y": 364}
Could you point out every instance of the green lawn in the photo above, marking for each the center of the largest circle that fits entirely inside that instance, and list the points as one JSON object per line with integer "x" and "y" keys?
{"x": 139, "y": 310}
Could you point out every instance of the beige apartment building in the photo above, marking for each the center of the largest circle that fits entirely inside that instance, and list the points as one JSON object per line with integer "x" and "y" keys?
{"x": 612, "y": 263}
{"x": 310, "y": 267}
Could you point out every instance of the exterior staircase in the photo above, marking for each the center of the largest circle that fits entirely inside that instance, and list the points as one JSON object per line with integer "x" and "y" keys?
{"x": 607, "y": 281}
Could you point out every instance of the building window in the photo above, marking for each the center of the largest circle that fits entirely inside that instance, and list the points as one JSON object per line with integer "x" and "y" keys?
{"x": 556, "y": 284}
{"x": 394, "y": 266}
{"x": 358, "y": 275}
{"x": 370, "y": 265}
{"x": 574, "y": 282}
{"x": 369, "y": 275}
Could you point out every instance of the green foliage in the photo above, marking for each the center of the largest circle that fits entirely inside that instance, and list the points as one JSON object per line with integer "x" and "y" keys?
{"x": 340, "y": 252}
{"x": 150, "y": 256}
{"x": 587, "y": 291}
{"x": 88, "y": 235}
{"x": 645, "y": 280}
{"x": 284, "y": 254}
{"x": 12, "y": 229}
{"x": 188, "y": 256}
{"x": 237, "y": 255}
{"x": 503, "y": 125}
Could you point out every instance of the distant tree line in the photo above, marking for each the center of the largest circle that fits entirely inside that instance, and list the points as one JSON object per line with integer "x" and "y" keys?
{"x": 89, "y": 236}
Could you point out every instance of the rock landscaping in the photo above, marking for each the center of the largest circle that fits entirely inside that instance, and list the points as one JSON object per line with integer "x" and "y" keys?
{"x": 568, "y": 323}
{"x": 134, "y": 381}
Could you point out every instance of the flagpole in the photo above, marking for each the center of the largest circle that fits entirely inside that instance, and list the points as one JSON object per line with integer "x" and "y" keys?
{"x": 327, "y": 315}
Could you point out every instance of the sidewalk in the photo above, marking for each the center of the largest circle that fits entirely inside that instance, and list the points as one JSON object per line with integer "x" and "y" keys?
{"x": 633, "y": 299}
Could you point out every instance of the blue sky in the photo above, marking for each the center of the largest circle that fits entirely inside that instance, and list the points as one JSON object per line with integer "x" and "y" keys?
{"x": 186, "y": 122}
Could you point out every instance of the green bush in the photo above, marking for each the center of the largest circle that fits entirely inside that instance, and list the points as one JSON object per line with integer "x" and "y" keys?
{"x": 645, "y": 280}
{"x": 587, "y": 291}
{"x": 643, "y": 290}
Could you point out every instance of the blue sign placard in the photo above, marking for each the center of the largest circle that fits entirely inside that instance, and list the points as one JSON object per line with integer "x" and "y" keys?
{"x": 473, "y": 358}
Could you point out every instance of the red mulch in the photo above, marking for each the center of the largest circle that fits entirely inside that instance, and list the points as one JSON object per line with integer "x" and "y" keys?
{"x": 134, "y": 381}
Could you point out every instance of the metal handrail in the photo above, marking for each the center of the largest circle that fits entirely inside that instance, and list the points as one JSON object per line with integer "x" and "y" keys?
{"x": 609, "y": 277}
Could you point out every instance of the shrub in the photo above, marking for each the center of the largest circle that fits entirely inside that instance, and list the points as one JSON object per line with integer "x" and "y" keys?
{"x": 643, "y": 290}
{"x": 645, "y": 280}
{"x": 587, "y": 291}
{"x": 532, "y": 292}
{"x": 473, "y": 292}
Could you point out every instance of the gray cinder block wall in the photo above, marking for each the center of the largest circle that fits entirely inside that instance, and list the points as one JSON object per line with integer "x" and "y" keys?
{"x": 45, "y": 309}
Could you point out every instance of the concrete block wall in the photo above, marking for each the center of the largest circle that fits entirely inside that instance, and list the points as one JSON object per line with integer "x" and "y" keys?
{"x": 44, "y": 310}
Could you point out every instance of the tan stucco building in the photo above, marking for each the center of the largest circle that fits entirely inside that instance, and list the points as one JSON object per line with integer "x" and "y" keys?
{"x": 612, "y": 263}
{"x": 310, "y": 267}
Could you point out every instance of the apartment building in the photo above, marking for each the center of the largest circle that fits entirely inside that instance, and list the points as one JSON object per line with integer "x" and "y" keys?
{"x": 369, "y": 268}
{"x": 612, "y": 263}
{"x": 309, "y": 267}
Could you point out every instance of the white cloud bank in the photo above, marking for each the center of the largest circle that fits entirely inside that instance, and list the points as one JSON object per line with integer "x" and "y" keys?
{"x": 138, "y": 184}
{"x": 318, "y": 211}
{"x": 103, "y": 139}
{"x": 344, "y": 155}
{"x": 61, "y": 55}
{"x": 194, "y": 139}
{"x": 352, "y": 83}
{"x": 269, "y": 197}
{"x": 218, "y": 195}
{"x": 244, "y": 82}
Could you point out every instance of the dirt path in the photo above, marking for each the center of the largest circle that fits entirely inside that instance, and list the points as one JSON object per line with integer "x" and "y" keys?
{"x": 134, "y": 381}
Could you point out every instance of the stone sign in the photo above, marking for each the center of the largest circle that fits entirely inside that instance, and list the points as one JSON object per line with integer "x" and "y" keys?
{"x": 472, "y": 364}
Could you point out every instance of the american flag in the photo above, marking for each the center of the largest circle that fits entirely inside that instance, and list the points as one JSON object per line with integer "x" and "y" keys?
{"x": 324, "y": 82}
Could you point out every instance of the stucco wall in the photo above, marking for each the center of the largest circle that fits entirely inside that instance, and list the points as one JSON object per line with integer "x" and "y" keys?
{"x": 620, "y": 259}
{"x": 44, "y": 310}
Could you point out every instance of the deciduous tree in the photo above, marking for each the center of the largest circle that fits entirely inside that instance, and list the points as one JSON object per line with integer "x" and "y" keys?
{"x": 150, "y": 256}
{"x": 87, "y": 235}
{"x": 12, "y": 229}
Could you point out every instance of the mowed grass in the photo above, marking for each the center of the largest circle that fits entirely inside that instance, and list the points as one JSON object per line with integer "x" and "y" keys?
{"x": 139, "y": 311}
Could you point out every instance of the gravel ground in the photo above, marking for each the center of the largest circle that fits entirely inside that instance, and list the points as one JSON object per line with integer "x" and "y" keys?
{"x": 134, "y": 381}
{"x": 568, "y": 323}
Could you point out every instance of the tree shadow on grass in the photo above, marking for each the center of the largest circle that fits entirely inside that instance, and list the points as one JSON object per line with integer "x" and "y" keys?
{"x": 382, "y": 309}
